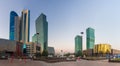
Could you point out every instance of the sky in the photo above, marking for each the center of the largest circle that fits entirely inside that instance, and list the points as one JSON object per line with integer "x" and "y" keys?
{"x": 66, "y": 19}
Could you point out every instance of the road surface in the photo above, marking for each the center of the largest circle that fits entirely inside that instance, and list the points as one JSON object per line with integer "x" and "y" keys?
{"x": 16, "y": 62}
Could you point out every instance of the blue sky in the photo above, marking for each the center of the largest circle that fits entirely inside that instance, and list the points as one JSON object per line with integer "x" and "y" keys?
{"x": 67, "y": 18}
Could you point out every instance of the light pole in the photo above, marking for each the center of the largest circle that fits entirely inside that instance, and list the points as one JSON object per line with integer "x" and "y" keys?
{"x": 82, "y": 40}
{"x": 37, "y": 37}
{"x": 37, "y": 42}
{"x": 38, "y": 47}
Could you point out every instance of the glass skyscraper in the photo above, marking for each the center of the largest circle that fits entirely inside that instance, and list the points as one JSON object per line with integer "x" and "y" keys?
{"x": 78, "y": 44}
{"x": 90, "y": 32}
{"x": 20, "y": 27}
{"x": 34, "y": 38}
{"x": 13, "y": 23}
{"x": 42, "y": 30}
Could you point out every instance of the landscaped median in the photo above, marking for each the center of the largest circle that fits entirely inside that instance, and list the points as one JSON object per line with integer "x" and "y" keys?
{"x": 53, "y": 60}
{"x": 115, "y": 60}
{"x": 95, "y": 58}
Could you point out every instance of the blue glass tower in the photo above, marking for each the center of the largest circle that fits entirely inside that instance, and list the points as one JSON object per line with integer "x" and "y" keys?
{"x": 12, "y": 25}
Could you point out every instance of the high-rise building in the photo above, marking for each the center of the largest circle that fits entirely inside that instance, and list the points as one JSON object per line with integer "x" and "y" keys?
{"x": 78, "y": 44}
{"x": 25, "y": 26}
{"x": 34, "y": 38}
{"x": 20, "y": 27}
{"x": 90, "y": 35}
{"x": 13, "y": 24}
{"x": 42, "y": 31}
{"x": 17, "y": 28}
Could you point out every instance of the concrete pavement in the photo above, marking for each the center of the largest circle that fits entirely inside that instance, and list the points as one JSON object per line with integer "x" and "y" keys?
{"x": 28, "y": 62}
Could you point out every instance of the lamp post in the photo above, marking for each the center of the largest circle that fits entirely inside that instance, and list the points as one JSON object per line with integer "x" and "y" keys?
{"x": 37, "y": 42}
{"x": 82, "y": 39}
{"x": 37, "y": 37}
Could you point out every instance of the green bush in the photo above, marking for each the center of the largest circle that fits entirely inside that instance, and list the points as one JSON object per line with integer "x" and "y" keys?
{"x": 45, "y": 53}
{"x": 38, "y": 54}
{"x": 79, "y": 53}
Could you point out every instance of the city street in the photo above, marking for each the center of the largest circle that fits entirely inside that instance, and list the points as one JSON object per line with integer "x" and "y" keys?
{"x": 17, "y": 62}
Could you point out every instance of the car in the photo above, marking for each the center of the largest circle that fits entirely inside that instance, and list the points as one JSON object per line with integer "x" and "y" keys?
{"x": 3, "y": 57}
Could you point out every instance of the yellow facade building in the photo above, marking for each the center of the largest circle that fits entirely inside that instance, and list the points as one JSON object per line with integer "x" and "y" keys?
{"x": 102, "y": 48}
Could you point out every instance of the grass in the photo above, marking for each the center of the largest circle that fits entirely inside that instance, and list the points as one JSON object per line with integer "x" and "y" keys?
{"x": 95, "y": 58}
{"x": 116, "y": 59}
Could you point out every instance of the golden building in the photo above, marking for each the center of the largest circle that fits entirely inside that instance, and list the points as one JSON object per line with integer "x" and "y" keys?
{"x": 102, "y": 48}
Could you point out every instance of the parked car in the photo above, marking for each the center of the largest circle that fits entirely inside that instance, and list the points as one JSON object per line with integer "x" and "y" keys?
{"x": 3, "y": 57}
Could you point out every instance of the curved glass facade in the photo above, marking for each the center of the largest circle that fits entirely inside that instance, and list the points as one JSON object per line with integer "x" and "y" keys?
{"x": 12, "y": 25}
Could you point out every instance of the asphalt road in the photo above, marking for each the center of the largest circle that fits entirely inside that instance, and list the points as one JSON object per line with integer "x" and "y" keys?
{"x": 28, "y": 62}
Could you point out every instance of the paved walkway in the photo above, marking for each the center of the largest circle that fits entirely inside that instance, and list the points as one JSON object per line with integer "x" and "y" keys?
{"x": 17, "y": 62}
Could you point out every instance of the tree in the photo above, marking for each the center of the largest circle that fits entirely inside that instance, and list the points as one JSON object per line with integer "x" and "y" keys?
{"x": 67, "y": 54}
{"x": 45, "y": 53}
{"x": 38, "y": 54}
{"x": 79, "y": 53}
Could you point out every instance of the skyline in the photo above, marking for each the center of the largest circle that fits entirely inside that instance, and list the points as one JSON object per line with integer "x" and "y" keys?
{"x": 67, "y": 19}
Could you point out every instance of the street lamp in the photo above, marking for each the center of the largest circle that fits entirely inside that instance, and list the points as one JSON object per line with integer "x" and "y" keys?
{"x": 82, "y": 39}
{"x": 81, "y": 33}
{"x": 37, "y": 37}
{"x": 37, "y": 42}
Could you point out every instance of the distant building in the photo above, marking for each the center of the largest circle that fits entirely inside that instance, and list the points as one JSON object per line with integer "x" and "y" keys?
{"x": 88, "y": 52}
{"x": 42, "y": 30}
{"x": 10, "y": 47}
{"x": 115, "y": 52}
{"x": 51, "y": 51}
{"x": 7, "y": 45}
{"x": 90, "y": 38}
{"x": 78, "y": 44}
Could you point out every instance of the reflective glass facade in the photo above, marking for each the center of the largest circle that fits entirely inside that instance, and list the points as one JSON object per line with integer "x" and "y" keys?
{"x": 34, "y": 38}
{"x": 42, "y": 29}
{"x": 20, "y": 27}
{"x": 12, "y": 25}
{"x": 78, "y": 44}
{"x": 90, "y": 38}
